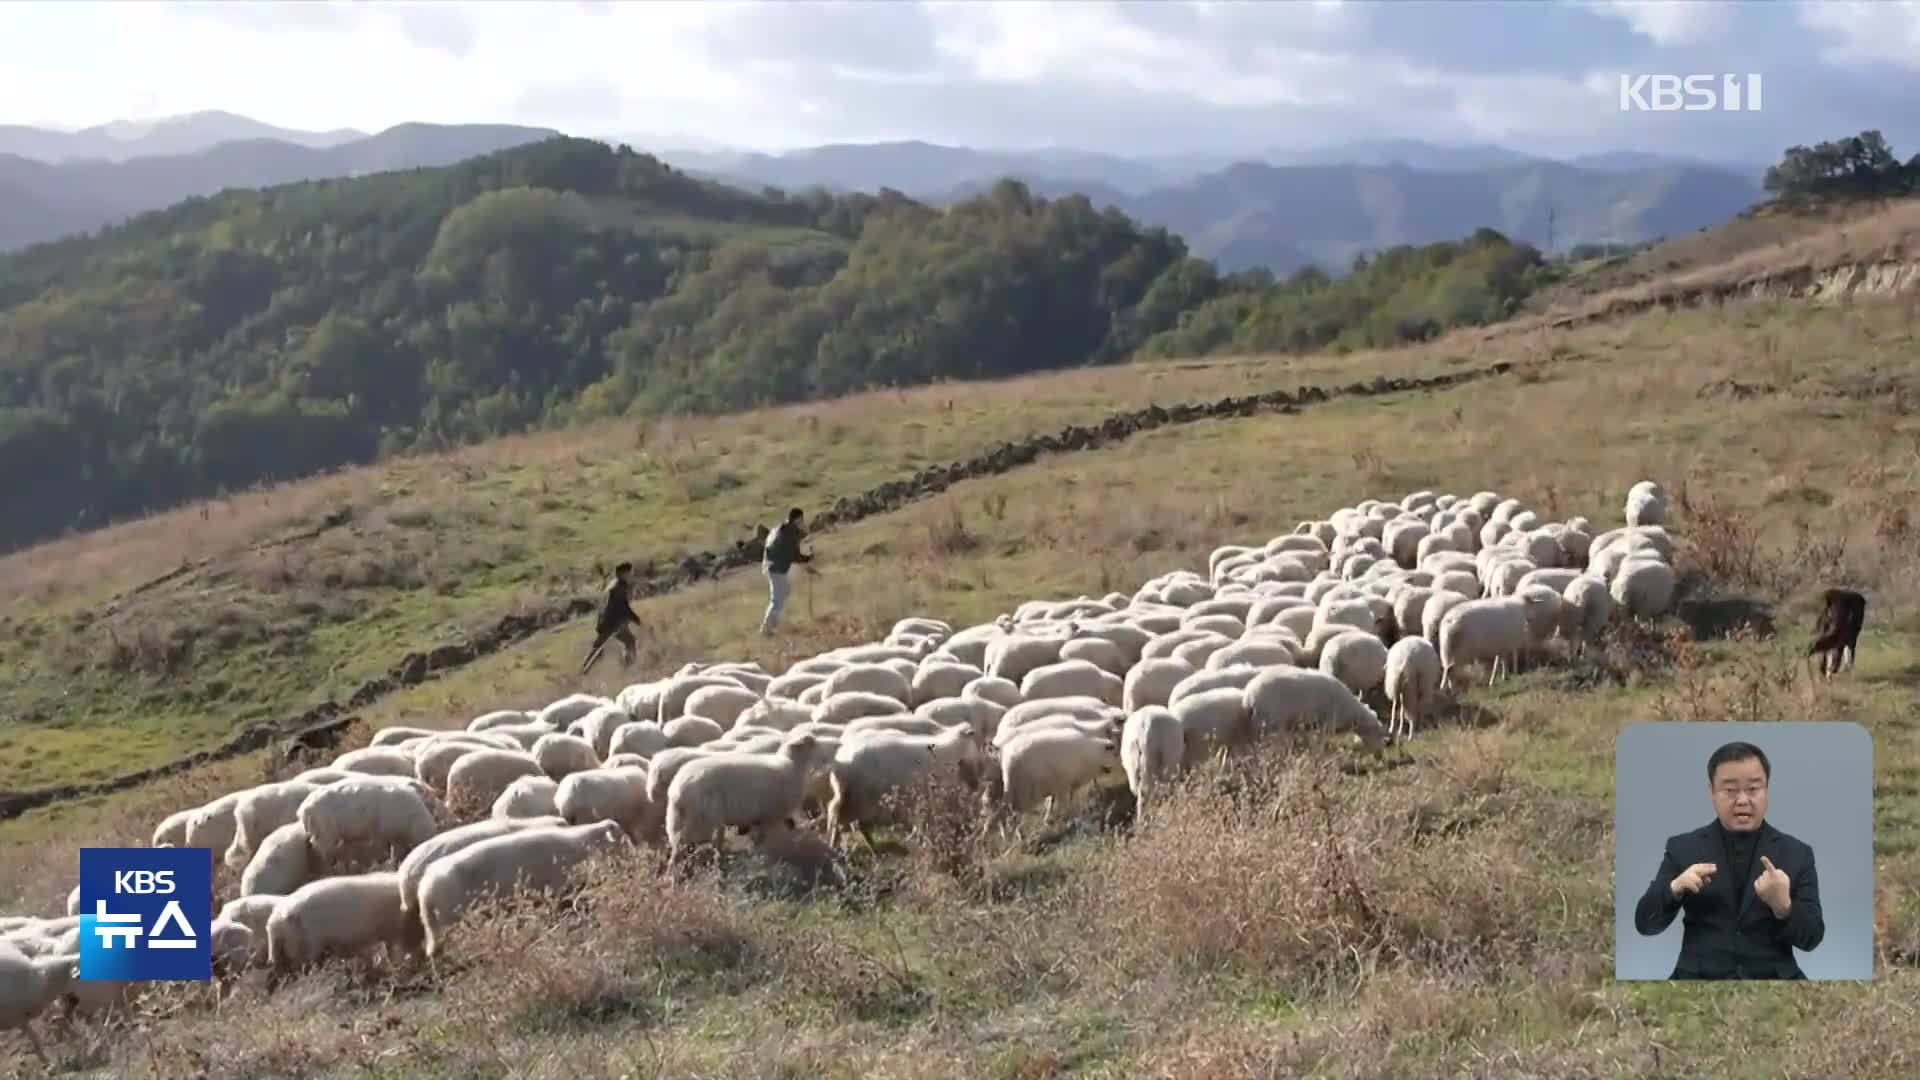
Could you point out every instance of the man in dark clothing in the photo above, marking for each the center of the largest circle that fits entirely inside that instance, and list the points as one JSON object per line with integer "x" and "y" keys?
{"x": 783, "y": 550}
{"x": 1749, "y": 891}
{"x": 615, "y": 616}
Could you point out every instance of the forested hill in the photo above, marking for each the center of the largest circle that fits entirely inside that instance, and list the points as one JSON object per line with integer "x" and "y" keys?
{"x": 260, "y": 335}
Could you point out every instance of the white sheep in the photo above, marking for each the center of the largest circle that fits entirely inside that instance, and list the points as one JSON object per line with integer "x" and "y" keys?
{"x": 414, "y": 866}
{"x": 1494, "y": 629}
{"x": 284, "y": 861}
{"x": 870, "y": 679}
{"x": 674, "y": 695}
{"x": 1152, "y": 750}
{"x": 1643, "y": 586}
{"x": 1585, "y": 607}
{"x": 739, "y": 790}
{"x": 1072, "y": 678}
{"x": 252, "y": 912}
{"x": 1002, "y": 692}
{"x": 980, "y": 715}
{"x": 1151, "y": 682}
{"x": 376, "y": 761}
{"x": 28, "y": 985}
{"x": 1412, "y": 682}
{"x": 721, "y": 704}
{"x": 340, "y": 916}
{"x": 213, "y": 825}
{"x": 850, "y": 705}
{"x": 1280, "y": 699}
{"x": 1356, "y": 658}
{"x": 476, "y": 780}
{"x": 1646, "y": 504}
{"x": 393, "y": 736}
{"x": 367, "y": 819}
{"x": 528, "y": 797}
{"x": 1054, "y": 763}
{"x": 864, "y": 771}
{"x": 558, "y": 755}
{"x": 598, "y": 726}
{"x": 432, "y": 763}
{"x": 613, "y": 793}
{"x": 259, "y": 811}
{"x": 1210, "y": 720}
{"x": 525, "y": 860}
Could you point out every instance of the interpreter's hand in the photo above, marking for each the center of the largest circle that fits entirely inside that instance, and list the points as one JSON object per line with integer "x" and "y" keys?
{"x": 1692, "y": 879}
{"x": 1772, "y": 887}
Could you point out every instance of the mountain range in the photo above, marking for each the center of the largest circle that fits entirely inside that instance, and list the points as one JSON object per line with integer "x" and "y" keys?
{"x": 1276, "y": 208}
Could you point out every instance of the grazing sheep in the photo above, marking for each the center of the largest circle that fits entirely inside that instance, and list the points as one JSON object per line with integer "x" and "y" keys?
{"x": 610, "y": 794}
{"x": 871, "y": 679}
{"x": 1488, "y": 629}
{"x": 258, "y": 812}
{"x": 558, "y": 755}
{"x": 476, "y": 780}
{"x": 692, "y": 731}
{"x": 1054, "y": 764}
{"x": 1644, "y": 587}
{"x": 1002, "y": 692}
{"x": 339, "y": 916}
{"x": 559, "y": 714}
{"x": 937, "y": 679}
{"x": 284, "y": 861}
{"x": 28, "y": 985}
{"x": 213, "y": 825}
{"x": 1412, "y": 681}
{"x": 864, "y": 771}
{"x": 674, "y": 695}
{"x": 1210, "y": 720}
{"x": 739, "y": 790}
{"x": 376, "y": 761}
{"x": 598, "y": 726}
{"x": 393, "y": 736}
{"x": 414, "y": 866}
{"x": 1267, "y": 650}
{"x": 1280, "y": 699}
{"x": 499, "y": 718}
{"x": 528, "y": 797}
{"x": 1072, "y": 678}
{"x": 1152, "y": 681}
{"x": 252, "y": 912}
{"x": 851, "y": 705}
{"x": 980, "y": 715}
{"x": 432, "y": 764}
{"x": 1152, "y": 750}
{"x": 172, "y": 830}
{"x": 1837, "y": 634}
{"x": 367, "y": 819}
{"x": 721, "y": 704}
{"x": 1357, "y": 659}
{"x": 528, "y": 860}
{"x": 1585, "y": 607}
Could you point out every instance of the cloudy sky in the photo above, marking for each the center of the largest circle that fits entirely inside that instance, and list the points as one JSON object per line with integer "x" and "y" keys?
{"x": 1158, "y": 76}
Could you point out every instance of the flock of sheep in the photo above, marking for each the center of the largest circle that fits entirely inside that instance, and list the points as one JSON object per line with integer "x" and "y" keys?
{"x": 1378, "y": 605}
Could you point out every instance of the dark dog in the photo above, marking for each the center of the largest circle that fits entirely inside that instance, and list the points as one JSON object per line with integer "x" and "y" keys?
{"x": 1837, "y": 635}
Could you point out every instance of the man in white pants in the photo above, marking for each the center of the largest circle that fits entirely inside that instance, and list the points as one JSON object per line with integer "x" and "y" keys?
{"x": 783, "y": 550}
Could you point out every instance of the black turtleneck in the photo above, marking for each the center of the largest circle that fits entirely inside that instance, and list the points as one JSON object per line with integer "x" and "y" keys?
{"x": 1739, "y": 847}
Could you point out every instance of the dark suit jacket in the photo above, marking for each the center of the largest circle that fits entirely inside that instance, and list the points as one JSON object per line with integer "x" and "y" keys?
{"x": 1730, "y": 933}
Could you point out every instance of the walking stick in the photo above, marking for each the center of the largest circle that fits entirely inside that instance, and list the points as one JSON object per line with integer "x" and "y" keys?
{"x": 809, "y": 592}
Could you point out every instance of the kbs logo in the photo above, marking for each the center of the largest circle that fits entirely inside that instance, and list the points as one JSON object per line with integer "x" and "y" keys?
{"x": 1689, "y": 93}
{"x": 146, "y": 913}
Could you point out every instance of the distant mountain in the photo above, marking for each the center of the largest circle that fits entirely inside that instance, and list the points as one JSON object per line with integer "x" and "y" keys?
{"x": 924, "y": 169}
{"x": 1283, "y": 218}
{"x": 1320, "y": 206}
{"x": 123, "y": 140}
{"x": 1424, "y": 156}
{"x": 41, "y": 201}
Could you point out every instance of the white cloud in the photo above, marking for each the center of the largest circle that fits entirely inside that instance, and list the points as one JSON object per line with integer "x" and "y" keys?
{"x": 1217, "y": 73}
{"x": 1885, "y": 30}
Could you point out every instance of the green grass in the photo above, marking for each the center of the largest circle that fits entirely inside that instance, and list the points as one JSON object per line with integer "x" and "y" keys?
{"x": 1222, "y": 938}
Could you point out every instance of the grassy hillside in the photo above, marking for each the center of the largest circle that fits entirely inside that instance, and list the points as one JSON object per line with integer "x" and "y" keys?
{"x": 1451, "y": 916}
{"x": 264, "y": 335}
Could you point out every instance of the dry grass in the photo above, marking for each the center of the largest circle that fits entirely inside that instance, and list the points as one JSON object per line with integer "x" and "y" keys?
{"x": 301, "y": 593}
{"x": 1284, "y": 914}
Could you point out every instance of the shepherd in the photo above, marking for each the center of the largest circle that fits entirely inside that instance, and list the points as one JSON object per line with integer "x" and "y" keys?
{"x": 616, "y": 615}
{"x": 783, "y": 550}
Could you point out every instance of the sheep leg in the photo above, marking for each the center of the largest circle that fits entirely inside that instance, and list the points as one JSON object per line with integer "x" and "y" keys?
{"x": 860, "y": 826}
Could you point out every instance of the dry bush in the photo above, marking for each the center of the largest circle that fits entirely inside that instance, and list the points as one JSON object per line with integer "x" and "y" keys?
{"x": 1276, "y": 866}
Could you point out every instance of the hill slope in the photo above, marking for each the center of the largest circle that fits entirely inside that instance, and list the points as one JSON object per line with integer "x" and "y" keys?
{"x": 92, "y": 192}
{"x": 1278, "y": 924}
{"x": 271, "y": 334}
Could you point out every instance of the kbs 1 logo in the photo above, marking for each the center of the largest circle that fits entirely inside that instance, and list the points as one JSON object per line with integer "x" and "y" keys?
{"x": 146, "y": 913}
{"x": 1689, "y": 93}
